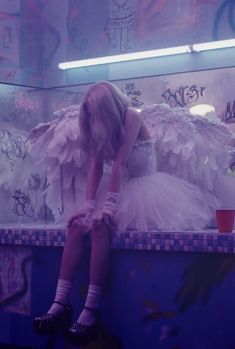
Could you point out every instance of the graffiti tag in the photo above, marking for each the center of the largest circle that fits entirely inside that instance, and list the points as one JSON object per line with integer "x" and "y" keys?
{"x": 22, "y": 204}
{"x": 183, "y": 96}
{"x": 23, "y": 102}
{"x": 133, "y": 93}
{"x": 12, "y": 146}
{"x": 34, "y": 182}
{"x": 120, "y": 26}
{"x": 229, "y": 115}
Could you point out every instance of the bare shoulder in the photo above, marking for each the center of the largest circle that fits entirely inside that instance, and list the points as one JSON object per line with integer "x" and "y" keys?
{"x": 135, "y": 121}
{"x": 132, "y": 116}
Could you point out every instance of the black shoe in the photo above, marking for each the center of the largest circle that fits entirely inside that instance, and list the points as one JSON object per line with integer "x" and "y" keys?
{"x": 49, "y": 324}
{"x": 80, "y": 334}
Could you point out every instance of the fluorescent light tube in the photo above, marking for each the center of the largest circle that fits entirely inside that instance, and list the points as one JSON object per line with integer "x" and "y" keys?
{"x": 125, "y": 57}
{"x": 213, "y": 45}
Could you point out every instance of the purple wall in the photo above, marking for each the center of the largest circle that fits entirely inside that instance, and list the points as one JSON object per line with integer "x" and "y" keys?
{"x": 35, "y": 35}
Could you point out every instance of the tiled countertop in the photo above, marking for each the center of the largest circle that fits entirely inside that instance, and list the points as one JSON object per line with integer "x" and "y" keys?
{"x": 190, "y": 241}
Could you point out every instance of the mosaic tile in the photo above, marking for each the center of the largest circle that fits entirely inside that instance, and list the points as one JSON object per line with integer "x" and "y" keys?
{"x": 204, "y": 241}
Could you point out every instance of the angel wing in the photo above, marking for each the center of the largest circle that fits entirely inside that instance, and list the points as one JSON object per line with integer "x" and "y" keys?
{"x": 55, "y": 147}
{"x": 189, "y": 146}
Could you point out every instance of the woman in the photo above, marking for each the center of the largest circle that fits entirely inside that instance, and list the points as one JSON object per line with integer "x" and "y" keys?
{"x": 137, "y": 196}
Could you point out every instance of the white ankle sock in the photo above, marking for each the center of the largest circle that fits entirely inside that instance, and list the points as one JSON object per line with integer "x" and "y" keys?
{"x": 62, "y": 294}
{"x": 93, "y": 300}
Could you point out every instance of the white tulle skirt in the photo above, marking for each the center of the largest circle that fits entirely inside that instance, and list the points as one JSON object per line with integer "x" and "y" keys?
{"x": 164, "y": 202}
{"x": 154, "y": 202}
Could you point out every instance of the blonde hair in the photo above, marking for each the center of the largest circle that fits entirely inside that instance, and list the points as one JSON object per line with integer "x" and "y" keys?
{"x": 102, "y": 117}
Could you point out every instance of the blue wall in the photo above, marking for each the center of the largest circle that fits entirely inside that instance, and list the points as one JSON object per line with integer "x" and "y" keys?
{"x": 153, "y": 300}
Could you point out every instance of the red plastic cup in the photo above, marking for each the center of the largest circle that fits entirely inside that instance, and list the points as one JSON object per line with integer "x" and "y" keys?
{"x": 225, "y": 220}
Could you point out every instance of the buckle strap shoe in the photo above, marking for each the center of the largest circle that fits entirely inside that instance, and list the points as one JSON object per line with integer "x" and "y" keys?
{"x": 80, "y": 334}
{"x": 48, "y": 324}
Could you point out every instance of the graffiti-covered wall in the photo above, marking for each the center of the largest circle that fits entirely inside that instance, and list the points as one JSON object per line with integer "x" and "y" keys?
{"x": 21, "y": 38}
{"x": 122, "y": 26}
{"x": 35, "y": 35}
{"x": 24, "y": 179}
{"x": 21, "y": 110}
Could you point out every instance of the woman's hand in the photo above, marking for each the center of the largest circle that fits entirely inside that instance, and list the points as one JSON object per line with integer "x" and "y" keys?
{"x": 81, "y": 216}
{"x": 107, "y": 214}
{"x": 84, "y": 214}
{"x": 104, "y": 217}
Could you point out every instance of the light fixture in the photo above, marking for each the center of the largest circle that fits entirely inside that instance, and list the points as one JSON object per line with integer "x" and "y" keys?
{"x": 125, "y": 57}
{"x": 212, "y": 45}
{"x": 201, "y": 109}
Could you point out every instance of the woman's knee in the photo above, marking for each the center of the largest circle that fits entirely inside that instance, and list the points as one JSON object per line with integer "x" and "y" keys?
{"x": 99, "y": 231}
{"x": 77, "y": 230}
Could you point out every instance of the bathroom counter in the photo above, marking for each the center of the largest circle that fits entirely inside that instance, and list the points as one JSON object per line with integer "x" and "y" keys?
{"x": 178, "y": 282}
{"x": 187, "y": 241}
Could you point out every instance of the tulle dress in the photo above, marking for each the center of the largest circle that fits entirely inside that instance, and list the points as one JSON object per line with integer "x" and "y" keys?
{"x": 152, "y": 200}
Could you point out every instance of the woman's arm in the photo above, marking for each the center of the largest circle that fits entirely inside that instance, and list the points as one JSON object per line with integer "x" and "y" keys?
{"x": 94, "y": 176}
{"x": 131, "y": 130}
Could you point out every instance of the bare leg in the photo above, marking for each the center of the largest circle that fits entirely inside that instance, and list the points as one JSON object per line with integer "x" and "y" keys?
{"x": 71, "y": 258}
{"x": 72, "y": 252}
{"x": 100, "y": 247}
{"x": 59, "y": 315}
